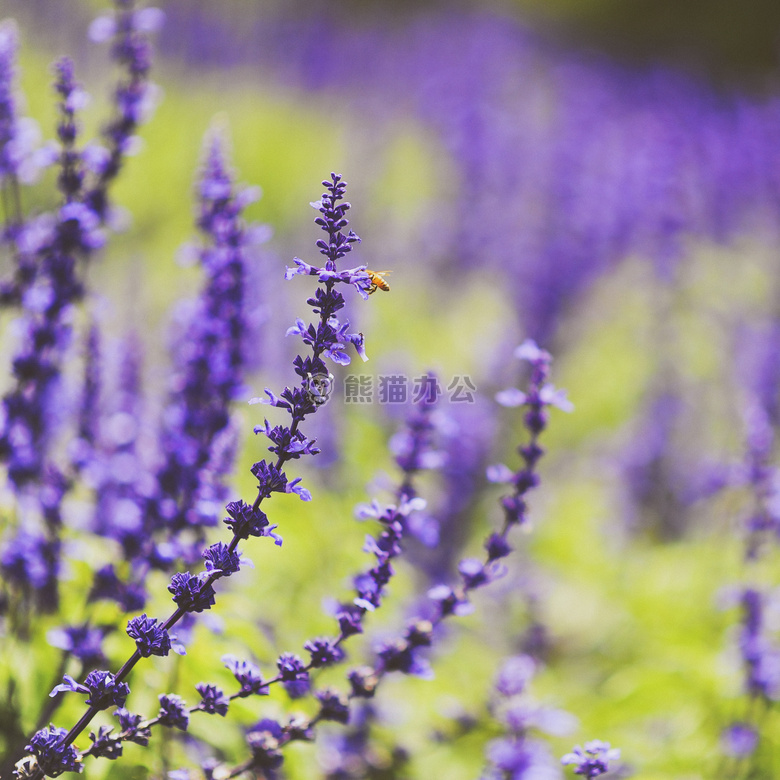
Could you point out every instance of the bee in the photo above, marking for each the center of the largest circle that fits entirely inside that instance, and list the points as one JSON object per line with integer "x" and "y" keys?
{"x": 377, "y": 281}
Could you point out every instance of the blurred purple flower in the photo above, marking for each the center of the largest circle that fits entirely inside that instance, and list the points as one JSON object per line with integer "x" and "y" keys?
{"x": 739, "y": 740}
{"x": 592, "y": 760}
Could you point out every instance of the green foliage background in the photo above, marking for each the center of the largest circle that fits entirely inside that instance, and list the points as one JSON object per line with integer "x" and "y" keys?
{"x": 639, "y": 644}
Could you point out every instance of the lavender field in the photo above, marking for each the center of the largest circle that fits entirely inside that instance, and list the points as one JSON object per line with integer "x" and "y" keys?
{"x": 449, "y": 333}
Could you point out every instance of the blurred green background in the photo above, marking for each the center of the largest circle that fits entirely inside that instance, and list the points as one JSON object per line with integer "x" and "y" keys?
{"x": 639, "y": 650}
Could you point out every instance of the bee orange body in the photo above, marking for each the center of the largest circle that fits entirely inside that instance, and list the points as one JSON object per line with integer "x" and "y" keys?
{"x": 377, "y": 281}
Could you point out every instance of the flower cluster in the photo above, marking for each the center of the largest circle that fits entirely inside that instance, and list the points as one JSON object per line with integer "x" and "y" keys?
{"x": 195, "y": 593}
{"x": 88, "y": 477}
{"x": 18, "y": 135}
{"x": 151, "y": 638}
{"x": 54, "y": 755}
{"x": 592, "y": 760}
{"x": 210, "y": 353}
{"x": 405, "y": 654}
{"x": 102, "y": 687}
{"x": 50, "y": 252}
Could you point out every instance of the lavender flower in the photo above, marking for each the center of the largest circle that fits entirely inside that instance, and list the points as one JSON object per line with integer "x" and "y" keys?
{"x": 104, "y": 745}
{"x": 739, "y": 740}
{"x": 192, "y": 593}
{"x": 220, "y": 559}
{"x": 31, "y": 561}
{"x": 758, "y": 647}
{"x": 760, "y": 655}
{"x": 173, "y": 712}
{"x": 247, "y": 675}
{"x": 518, "y": 758}
{"x": 352, "y": 752}
{"x": 150, "y": 637}
{"x": 333, "y": 705}
{"x": 102, "y": 687}
{"x": 131, "y": 728}
{"x": 293, "y": 674}
{"x": 64, "y": 238}
{"x": 592, "y": 760}
{"x": 246, "y": 521}
{"x": 54, "y": 756}
{"x": 17, "y": 135}
{"x": 514, "y": 675}
{"x": 72, "y": 98}
{"x": 263, "y": 740}
{"x": 135, "y": 96}
{"x": 210, "y": 352}
{"x": 404, "y": 654}
{"x": 213, "y": 700}
{"x": 540, "y": 395}
{"x": 517, "y": 754}
{"x": 324, "y": 652}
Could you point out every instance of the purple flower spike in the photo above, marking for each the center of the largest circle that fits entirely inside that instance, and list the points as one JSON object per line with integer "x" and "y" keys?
{"x": 247, "y": 675}
{"x": 17, "y": 136}
{"x": 333, "y": 705}
{"x": 323, "y": 652}
{"x": 104, "y": 745}
{"x": 592, "y": 760}
{"x": 333, "y": 221}
{"x": 221, "y": 560}
{"x": 191, "y": 592}
{"x": 514, "y": 675}
{"x": 211, "y": 352}
{"x": 135, "y": 97}
{"x": 102, "y": 687}
{"x": 263, "y": 740}
{"x": 293, "y": 675}
{"x": 150, "y": 636}
{"x": 213, "y": 700}
{"x": 173, "y": 712}
{"x": 246, "y": 521}
{"x": 72, "y": 99}
{"x": 130, "y": 727}
{"x": 53, "y": 756}
{"x": 739, "y": 740}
